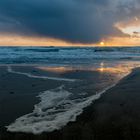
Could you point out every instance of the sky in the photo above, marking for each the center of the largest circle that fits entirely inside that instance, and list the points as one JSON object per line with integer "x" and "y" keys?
{"x": 69, "y": 22}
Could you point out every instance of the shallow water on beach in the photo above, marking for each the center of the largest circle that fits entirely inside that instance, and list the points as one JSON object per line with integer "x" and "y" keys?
{"x": 80, "y": 87}
{"x": 82, "y": 76}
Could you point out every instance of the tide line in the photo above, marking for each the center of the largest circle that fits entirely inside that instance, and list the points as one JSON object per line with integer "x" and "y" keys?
{"x": 10, "y": 70}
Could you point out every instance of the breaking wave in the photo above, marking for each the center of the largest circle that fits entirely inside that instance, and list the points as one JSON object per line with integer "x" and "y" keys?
{"x": 70, "y": 55}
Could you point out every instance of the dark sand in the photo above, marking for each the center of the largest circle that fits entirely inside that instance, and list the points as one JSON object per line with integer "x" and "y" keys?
{"x": 115, "y": 116}
{"x": 18, "y": 95}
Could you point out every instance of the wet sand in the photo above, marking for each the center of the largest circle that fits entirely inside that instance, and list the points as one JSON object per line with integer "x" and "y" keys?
{"x": 18, "y": 96}
{"x": 115, "y": 116}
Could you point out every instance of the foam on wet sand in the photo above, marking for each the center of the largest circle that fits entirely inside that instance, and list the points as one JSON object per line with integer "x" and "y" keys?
{"x": 57, "y": 107}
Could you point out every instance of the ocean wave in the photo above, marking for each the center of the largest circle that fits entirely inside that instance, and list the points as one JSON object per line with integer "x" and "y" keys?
{"x": 43, "y": 50}
{"x": 53, "y": 55}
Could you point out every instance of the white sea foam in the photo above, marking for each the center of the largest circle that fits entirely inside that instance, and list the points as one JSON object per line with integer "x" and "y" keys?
{"x": 54, "y": 111}
{"x": 10, "y": 70}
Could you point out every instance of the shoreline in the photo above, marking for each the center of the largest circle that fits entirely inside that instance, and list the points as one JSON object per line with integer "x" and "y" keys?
{"x": 74, "y": 130}
{"x": 106, "y": 126}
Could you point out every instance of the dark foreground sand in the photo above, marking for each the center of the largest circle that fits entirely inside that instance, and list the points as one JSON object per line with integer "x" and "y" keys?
{"x": 115, "y": 116}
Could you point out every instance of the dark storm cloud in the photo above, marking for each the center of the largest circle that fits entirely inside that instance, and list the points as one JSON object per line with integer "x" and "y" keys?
{"x": 85, "y": 21}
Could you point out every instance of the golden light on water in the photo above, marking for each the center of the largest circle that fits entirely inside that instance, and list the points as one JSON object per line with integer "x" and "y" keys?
{"x": 103, "y": 67}
{"x": 56, "y": 69}
{"x": 121, "y": 68}
{"x": 113, "y": 69}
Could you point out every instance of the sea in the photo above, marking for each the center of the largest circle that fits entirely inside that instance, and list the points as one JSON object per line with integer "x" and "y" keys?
{"x": 66, "y": 55}
{"x": 85, "y": 73}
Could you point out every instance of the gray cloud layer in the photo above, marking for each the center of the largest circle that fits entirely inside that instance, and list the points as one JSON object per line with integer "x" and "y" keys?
{"x": 85, "y": 21}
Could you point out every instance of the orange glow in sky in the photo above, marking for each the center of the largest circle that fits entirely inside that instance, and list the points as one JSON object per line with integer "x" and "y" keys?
{"x": 8, "y": 40}
{"x": 131, "y": 28}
